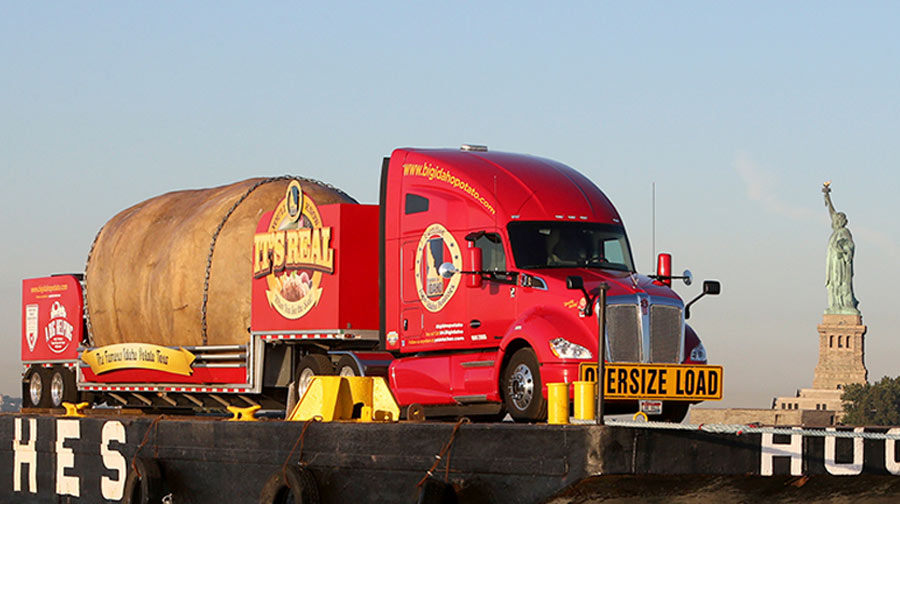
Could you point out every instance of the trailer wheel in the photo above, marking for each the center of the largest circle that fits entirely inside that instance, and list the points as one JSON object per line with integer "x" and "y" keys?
{"x": 347, "y": 366}
{"x": 311, "y": 366}
{"x": 62, "y": 387}
{"x": 522, "y": 388}
{"x": 292, "y": 485}
{"x": 146, "y": 486}
{"x": 35, "y": 389}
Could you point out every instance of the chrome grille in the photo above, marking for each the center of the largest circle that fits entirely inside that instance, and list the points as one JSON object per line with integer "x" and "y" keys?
{"x": 624, "y": 333}
{"x": 665, "y": 334}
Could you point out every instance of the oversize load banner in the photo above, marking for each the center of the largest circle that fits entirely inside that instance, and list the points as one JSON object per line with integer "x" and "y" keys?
{"x": 657, "y": 381}
{"x": 139, "y": 355}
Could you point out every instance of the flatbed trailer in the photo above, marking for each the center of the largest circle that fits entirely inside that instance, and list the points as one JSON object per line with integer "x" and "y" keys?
{"x": 111, "y": 456}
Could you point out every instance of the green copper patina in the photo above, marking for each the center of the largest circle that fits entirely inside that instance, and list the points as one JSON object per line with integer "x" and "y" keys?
{"x": 839, "y": 264}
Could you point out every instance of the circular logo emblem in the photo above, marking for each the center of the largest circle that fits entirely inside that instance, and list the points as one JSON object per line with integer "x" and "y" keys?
{"x": 296, "y": 290}
{"x": 436, "y": 247}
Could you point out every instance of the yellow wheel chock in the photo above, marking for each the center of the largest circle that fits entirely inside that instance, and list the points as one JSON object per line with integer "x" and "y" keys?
{"x": 351, "y": 398}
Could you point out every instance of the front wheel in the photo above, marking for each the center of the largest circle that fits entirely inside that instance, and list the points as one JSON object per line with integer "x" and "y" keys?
{"x": 522, "y": 388}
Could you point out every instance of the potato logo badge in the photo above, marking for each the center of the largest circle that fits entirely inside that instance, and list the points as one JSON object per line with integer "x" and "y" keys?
{"x": 436, "y": 247}
{"x": 293, "y": 253}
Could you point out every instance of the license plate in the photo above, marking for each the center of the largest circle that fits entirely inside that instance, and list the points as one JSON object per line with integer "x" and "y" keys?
{"x": 653, "y": 381}
{"x": 651, "y": 408}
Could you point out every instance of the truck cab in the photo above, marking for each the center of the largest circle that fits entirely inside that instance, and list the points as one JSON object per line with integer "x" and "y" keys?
{"x": 481, "y": 253}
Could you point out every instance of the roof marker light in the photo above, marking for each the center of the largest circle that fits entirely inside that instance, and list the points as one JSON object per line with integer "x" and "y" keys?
{"x": 473, "y": 147}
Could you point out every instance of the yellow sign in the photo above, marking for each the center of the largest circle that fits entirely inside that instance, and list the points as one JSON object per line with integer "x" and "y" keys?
{"x": 657, "y": 381}
{"x": 134, "y": 355}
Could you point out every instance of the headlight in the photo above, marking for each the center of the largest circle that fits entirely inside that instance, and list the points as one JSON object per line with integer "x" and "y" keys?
{"x": 698, "y": 353}
{"x": 564, "y": 349}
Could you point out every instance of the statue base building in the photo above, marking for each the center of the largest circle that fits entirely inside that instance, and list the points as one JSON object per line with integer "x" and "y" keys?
{"x": 841, "y": 352}
{"x": 841, "y": 362}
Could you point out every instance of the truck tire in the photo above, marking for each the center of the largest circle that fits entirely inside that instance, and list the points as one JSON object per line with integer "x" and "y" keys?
{"x": 36, "y": 389}
{"x": 62, "y": 387}
{"x": 309, "y": 367}
{"x": 146, "y": 486}
{"x": 522, "y": 389}
{"x": 347, "y": 366}
{"x": 293, "y": 485}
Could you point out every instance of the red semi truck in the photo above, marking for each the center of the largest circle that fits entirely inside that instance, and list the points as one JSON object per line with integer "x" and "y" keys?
{"x": 471, "y": 286}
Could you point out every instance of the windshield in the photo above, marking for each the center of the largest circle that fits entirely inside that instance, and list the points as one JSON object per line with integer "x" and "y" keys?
{"x": 546, "y": 244}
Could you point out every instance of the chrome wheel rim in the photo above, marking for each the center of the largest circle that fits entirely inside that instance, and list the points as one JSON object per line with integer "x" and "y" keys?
{"x": 521, "y": 387}
{"x": 35, "y": 388}
{"x": 57, "y": 389}
{"x": 303, "y": 381}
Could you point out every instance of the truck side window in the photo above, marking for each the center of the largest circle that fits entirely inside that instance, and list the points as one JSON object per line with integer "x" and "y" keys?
{"x": 492, "y": 256}
{"x": 416, "y": 203}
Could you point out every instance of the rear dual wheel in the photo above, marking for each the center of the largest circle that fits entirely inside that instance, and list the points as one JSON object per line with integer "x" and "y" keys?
{"x": 311, "y": 366}
{"x": 49, "y": 387}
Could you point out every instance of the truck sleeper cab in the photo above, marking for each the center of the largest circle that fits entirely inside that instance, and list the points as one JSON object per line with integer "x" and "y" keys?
{"x": 479, "y": 249}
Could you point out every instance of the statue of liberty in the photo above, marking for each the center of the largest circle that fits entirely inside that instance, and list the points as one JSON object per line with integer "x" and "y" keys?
{"x": 839, "y": 263}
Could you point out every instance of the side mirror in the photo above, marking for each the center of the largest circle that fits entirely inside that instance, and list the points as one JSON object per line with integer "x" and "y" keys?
{"x": 575, "y": 282}
{"x": 710, "y": 287}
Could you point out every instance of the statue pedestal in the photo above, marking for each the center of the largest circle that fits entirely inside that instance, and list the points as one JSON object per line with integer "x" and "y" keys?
{"x": 841, "y": 352}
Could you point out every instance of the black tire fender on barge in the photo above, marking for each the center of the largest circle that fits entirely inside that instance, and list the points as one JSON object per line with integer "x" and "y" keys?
{"x": 291, "y": 485}
{"x": 144, "y": 483}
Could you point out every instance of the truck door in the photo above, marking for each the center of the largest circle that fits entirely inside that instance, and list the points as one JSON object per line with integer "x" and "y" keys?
{"x": 492, "y": 306}
{"x": 433, "y": 310}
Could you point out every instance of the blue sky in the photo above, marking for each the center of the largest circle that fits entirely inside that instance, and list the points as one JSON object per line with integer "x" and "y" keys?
{"x": 736, "y": 113}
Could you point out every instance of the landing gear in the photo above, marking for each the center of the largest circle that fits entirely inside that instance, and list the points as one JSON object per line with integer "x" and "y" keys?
{"x": 522, "y": 388}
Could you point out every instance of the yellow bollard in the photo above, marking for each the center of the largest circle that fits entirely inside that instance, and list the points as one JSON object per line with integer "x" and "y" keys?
{"x": 73, "y": 410}
{"x": 557, "y": 403}
{"x": 585, "y": 400}
{"x": 243, "y": 414}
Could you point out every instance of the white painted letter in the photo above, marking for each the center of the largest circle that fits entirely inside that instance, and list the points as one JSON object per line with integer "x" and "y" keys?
{"x": 65, "y": 458}
{"x": 852, "y": 468}
{"x": 112, "y": 489}
{"x": 25, "y": 453}
{"x": 794, "y": 450}
{"x": 890, "y": 462}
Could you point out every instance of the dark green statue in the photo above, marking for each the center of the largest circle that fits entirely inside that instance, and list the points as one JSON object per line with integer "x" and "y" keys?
{"x": 839, "y": 264}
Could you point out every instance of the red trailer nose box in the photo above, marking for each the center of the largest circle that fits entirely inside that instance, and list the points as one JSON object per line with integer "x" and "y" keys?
{"x": 320, "y": 276}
